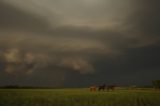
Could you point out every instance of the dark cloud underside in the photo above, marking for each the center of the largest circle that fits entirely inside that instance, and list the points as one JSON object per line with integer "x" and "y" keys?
{"x": 76, "y": 43}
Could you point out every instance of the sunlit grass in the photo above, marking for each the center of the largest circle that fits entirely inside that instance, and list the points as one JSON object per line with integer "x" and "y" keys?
{"x": 78, "y": 97}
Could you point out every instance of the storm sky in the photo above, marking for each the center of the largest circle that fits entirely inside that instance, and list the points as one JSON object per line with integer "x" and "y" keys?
{"x": 79, "y": 42}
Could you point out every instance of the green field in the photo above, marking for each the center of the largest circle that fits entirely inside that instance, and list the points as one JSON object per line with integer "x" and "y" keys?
{"x": 78, "y": 97}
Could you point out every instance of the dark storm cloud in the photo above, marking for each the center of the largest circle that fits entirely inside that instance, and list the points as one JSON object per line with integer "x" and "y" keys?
{"x": 137, "y": 66}
{"x": 20, "y": 38}
{"x": 144, "y": 20}
{"x": 146, "y": 17}
{"x": 12, "y": 18}
{"x": 139, "y": 63}
{"x": 78, "y": 42}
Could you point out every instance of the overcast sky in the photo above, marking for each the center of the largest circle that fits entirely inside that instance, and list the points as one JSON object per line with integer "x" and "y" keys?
{"x": 79, "y": 42}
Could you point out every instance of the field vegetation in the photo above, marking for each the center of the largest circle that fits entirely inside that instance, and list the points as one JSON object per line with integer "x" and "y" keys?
{"x": 78, "y": 97}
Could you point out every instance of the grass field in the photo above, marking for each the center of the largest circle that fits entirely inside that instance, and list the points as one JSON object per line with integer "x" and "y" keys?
{"x": 78, "y": 97}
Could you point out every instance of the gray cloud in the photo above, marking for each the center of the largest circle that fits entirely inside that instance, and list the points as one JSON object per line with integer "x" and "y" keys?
{"x": 143, "y": 22}
{"x": 20, "y": 62}
{"x": 84, "y": 13}
{"x": 24, "y": 62}
{"x": 146, "y": 18}
{"x": 12, "y": 18}
{"x": 77, "y": 40}
{"x": 78, "y": 64}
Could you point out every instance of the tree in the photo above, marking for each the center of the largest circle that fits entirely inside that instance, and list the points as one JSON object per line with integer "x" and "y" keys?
{"x": 156, "y": 84}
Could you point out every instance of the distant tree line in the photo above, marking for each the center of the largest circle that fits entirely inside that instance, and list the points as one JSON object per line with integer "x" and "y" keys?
{"x": 155, "y": 83}
{"x": 27, "y": 87}
{"x": 15, "y": 87}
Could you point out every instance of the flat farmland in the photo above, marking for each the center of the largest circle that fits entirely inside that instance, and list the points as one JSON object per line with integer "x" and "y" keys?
{"x": 78, "y": 97}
